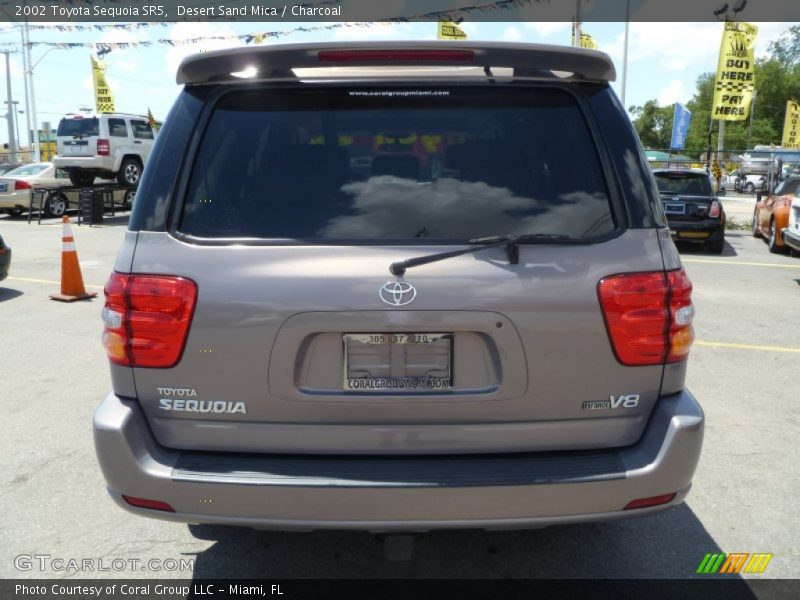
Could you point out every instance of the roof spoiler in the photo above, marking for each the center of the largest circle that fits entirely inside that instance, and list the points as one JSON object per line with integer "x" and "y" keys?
{"x": 278, "y": 61}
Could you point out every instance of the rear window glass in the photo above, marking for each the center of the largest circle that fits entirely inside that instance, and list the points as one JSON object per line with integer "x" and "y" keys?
{"x": 79, "y": 127}
{"x": 690, "y": 184}
{"x": 396, "y": 164}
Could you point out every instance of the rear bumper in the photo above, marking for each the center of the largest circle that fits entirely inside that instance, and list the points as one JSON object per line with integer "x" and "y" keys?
{"x": 86, "y": 163}
{"x": 689, "y": 230}
{"x": 791, "y": 238}
{"x": 15, "y": 198}
{"x": 391, "y": 493}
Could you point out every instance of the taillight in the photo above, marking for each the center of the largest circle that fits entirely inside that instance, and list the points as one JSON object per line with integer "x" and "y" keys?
{"x": 714, "y": 211}
{"x": 21, "y": 185}
{"x": 681, "y": 315}
{"x": 103, "y": 148}
{"x": 147, "y": 319}
{"x": 443, "y": 56}
{"x": 648, "y": 316}
{"x": 145, "y": 503}
{"x": 652, "y": 501}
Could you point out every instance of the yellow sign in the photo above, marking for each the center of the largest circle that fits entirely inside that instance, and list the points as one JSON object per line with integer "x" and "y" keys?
{"x": 450, "y": 31}
{"x": 791, "y": 126}
{"x": 587, "y": 41}
{"x": 736, "y": 80}
{"x": 103, "y": 98}
{"x": 716, "y": 170}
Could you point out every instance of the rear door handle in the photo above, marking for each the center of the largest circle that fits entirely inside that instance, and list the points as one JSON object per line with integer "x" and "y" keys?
{"x": 136, "y": 142}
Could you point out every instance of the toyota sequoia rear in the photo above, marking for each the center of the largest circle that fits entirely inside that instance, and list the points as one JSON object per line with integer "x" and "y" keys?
{"x": 398, "y": 286}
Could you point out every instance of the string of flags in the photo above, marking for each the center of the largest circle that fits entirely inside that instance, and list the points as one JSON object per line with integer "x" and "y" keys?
{"x": 102, "y": 49}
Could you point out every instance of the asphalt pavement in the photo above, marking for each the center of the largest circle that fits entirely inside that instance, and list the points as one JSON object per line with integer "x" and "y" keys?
{"x": 53, "y": 373}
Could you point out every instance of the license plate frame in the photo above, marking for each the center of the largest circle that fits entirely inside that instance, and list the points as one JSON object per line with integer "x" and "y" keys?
{"x": 674, "y": 208}
{"x": 397, "y": 384}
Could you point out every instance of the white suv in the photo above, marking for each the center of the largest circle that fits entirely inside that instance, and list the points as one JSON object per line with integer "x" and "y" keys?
{"x": 109, "y": 145}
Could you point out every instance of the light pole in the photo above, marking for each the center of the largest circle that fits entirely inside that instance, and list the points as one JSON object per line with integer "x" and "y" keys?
{"x": 16, "y": 119}
{"x": 12, "y": 138}
{"x": 625, "y": 51}
{"x": 31, "y": 66}
{"x": 22, "y": 29}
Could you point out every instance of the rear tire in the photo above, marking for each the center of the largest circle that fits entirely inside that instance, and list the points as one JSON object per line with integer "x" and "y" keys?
{"x": 13, "y": 212}
{"x": 772, "y": 240}
{"x": 56, "y": 205}
{"x": 716, "y": 242}
{"x": 81, "y": 179}
{"x": 130, "y": 172}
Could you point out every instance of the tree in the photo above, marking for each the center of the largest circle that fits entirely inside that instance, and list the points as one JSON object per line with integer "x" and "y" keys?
{"x": 786, "y": 49}
{"x": 777, "y": 80}
{"x": 653, "y": 123}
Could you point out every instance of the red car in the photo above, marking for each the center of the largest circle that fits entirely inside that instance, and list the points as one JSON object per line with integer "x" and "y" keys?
{"x": 771, "y": 215}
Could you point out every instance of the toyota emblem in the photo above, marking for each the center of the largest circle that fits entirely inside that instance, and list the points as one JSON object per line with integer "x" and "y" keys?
{"x": 397, "y": 293}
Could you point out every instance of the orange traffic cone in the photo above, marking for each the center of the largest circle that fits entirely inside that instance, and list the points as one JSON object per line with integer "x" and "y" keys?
{"x": 71, "y": 280}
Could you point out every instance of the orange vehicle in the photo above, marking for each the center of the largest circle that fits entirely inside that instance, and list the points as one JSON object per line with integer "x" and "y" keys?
{"x": 771, "y": 215}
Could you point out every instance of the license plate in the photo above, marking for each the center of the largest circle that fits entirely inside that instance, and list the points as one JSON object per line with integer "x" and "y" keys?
{"x": 3, "y": 187}
{"x": 397, "y": 362}
{"x": 674, "y": 209}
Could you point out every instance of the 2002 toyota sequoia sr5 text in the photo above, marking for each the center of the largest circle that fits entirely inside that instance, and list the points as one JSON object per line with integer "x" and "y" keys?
{"x": 393, "y": 286}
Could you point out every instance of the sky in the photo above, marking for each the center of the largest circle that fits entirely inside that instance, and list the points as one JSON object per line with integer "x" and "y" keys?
{"x": 664, "y": 59}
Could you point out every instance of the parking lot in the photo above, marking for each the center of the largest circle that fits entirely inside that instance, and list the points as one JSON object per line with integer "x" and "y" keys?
{"x": 743, "y": 370}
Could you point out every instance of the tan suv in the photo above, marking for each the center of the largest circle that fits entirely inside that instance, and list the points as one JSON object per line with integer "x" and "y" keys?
{"x": 398, "y": 286}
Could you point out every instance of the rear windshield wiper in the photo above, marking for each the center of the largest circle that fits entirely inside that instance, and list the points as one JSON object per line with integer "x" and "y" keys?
{"x": 511, "y": 242}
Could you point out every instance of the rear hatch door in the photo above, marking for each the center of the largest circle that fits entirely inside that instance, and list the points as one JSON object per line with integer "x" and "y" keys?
{"x": 302, "y": 340}
{"x": 77, "y": 136}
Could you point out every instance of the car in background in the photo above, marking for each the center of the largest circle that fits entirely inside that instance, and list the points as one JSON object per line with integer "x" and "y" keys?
{"x": 727, "y": 182}
{"x": 771, "y": 214}
{"x": 791, "y": 234}
{"x": 17, "y": 186}
{"x": 694, "y": 213}
{"x": 5, "y": 259}
{"x": 109, "y": 146}
{"x": 749, "y": 184}
{"x": 6, "y": 167}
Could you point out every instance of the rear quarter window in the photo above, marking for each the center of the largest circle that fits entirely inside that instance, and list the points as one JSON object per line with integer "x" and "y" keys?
{"x": 368, "y": 164}
{"x": 142, "y": 130}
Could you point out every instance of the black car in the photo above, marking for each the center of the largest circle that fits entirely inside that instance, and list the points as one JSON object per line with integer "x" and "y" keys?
{"x": 5, "y": 259}
{"x": 693, "y": 212}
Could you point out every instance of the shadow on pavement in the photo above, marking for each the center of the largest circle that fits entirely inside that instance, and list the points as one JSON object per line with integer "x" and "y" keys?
{"x": 667, "y": 545}
{"x": 8, "y": 293}
{"x": 700, "y": 249}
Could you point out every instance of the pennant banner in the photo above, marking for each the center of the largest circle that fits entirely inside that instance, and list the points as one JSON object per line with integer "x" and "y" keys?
{"x": 103, "y": 98}
{"x": 736, "y": 80}
{"x": 791, "y": 126}
{"x": 587, "y": 41}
